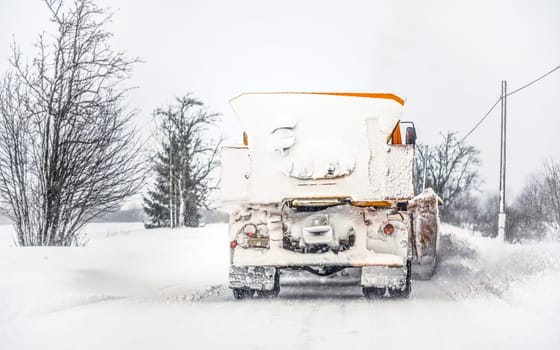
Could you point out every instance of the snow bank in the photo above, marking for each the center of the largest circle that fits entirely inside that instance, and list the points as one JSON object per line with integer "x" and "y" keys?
{"x": 470, "y": 266}
{"x": 119, "y": 261}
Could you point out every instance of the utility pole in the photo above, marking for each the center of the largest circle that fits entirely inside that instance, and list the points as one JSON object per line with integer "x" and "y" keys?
{"x": 171, "y": 187}
{"x": 502, "y": 214}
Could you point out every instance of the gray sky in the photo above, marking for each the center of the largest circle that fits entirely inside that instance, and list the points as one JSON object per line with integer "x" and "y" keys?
{"x": 446, "y": 58}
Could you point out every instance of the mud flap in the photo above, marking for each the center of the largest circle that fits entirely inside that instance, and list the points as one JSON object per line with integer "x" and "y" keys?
{"x": 425, "y": 226}
{"x": 384, "y": 277}
{"x": 262, "y": 278}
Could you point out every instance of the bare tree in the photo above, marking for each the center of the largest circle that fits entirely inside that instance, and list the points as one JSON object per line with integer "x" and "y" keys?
{"x": 535, "y": 213}
{"x": 479, "y": 213}
{"x": 451, "y": 170}
{"x": 530, "y": 214}
{"x": 67, "y": 153}
{"x": 550, "y": 192}
{"x": 184, "y": 164}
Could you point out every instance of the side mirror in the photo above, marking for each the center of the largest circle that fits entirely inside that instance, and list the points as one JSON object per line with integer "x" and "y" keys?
{"x": 410, "y": 135}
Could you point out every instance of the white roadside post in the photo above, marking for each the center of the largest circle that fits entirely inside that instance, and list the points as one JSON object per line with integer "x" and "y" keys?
{"x": 502, "y": 213}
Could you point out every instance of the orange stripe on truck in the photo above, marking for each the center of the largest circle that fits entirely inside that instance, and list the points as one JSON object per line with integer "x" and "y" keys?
{"x": 387, "y": 96}
{"x": 362, "y": 94}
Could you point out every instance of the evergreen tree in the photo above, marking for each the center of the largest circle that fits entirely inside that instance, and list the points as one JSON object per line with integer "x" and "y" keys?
{"x": 155, "y": 202}
{"x": 184, "y": 164}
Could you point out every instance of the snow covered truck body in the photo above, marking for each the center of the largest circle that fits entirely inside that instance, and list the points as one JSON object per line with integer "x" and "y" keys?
{"x": 323, "y": 182}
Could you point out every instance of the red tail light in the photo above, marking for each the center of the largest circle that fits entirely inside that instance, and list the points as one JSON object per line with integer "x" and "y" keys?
{"x": 388, "y": 229}
{"x": 233, "y": 244}
{"x": 250, "y": 230}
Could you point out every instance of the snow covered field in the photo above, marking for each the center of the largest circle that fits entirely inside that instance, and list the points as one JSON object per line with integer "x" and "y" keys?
{"x": 131, "y": 288}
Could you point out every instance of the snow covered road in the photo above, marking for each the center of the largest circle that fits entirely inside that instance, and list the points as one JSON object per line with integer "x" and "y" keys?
{"x": 131, "y": 288}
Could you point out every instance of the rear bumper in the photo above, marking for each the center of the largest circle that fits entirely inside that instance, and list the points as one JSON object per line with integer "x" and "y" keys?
{"x": 285, "y": 258}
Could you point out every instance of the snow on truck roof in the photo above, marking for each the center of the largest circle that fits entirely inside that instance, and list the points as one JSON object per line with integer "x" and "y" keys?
{"x": 261, "y": 113}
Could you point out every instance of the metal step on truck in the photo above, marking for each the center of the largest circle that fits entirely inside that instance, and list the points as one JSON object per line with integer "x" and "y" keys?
{"x": 323, "y": 182}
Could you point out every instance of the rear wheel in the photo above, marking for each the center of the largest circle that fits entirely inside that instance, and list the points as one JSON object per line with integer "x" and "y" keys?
{"x": 373, "y": 292}
{"x": 405, "y": 292}
{"x": 400, "y": 293}
{"x": 268, "y": 293}
{"x": 240, "y": 293}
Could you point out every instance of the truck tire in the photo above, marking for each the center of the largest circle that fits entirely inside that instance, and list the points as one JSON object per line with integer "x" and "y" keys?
{"x": 373, "y": 292}
{"x": 405, "y": 292}
{"x": 240, "y": 293}
{"x": 400, "y": 293}
{"x": 268, "y": 293}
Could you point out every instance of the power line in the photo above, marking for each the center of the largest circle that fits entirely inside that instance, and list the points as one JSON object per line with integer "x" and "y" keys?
{"x": 482, "y": 119}
{"x": 511, "y": 93}
{"x": 532, "y": 82}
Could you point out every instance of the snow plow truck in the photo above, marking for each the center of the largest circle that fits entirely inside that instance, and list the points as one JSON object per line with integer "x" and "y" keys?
{"x": 323, "y": 182}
